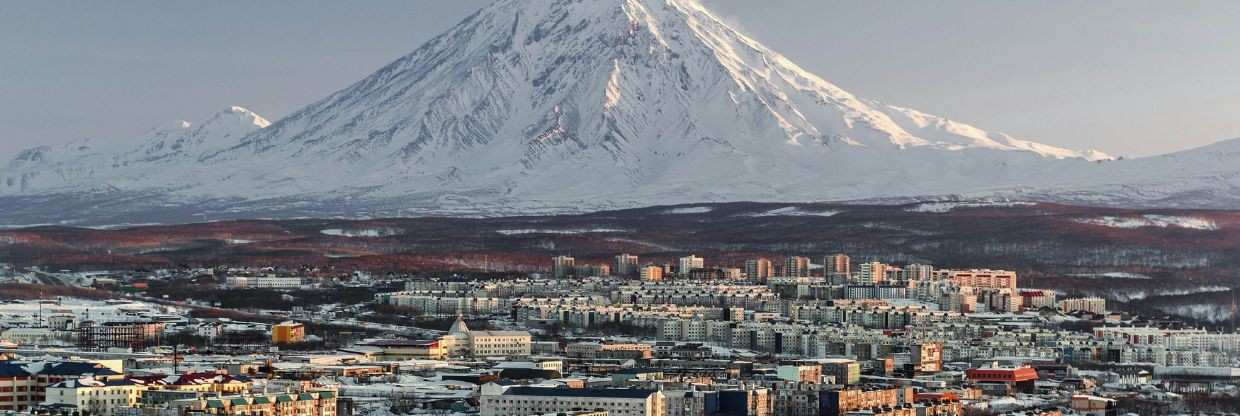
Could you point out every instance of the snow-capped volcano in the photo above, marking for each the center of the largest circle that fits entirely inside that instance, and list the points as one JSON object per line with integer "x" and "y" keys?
{"x": 567, "y": 105}
{"x": 605, "y": 100}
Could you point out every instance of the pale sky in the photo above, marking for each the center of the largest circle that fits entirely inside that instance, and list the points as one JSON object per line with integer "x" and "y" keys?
{"x": 1130, "y": 77}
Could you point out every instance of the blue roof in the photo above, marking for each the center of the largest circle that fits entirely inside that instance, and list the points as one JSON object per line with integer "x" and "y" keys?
{"x": 559, "y": 392}
{"x": 9, "y": 369}
{"x": 70, "y": 368}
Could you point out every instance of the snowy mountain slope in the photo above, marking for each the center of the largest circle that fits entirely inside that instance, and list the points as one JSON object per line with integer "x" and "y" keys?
{"x": 1207, "y": 176}
{"x": 224, "y": 128}
{"x": 656, "y": 97}
{"x": 575, "y": 105}
{"x": 94, "y": 163}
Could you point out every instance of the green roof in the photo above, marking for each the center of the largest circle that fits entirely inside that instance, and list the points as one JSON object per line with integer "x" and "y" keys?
{"x": 262, "y": 400}
{"x": 239, "y": 402}
{"x": 284, "y": 398}
{"x": 305, "y": 396}
{"x": 326, "y": 394}
{"x": 215, "y": 404}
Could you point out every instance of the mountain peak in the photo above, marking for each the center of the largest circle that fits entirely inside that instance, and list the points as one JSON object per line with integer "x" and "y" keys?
{"x": 247, "y": 116}
{"x": 544, "y": 105}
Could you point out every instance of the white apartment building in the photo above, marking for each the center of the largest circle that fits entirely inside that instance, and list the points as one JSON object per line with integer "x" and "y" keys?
{"x": 264, "y": 282}
{"x": 95, "y": 397}
{"x": 1091, "y": 304}
{"x": 689, "y": 263}
{"x": 499, "y": 343}
{"x": 498, "y": 400}
{"x": 626, "y": 265}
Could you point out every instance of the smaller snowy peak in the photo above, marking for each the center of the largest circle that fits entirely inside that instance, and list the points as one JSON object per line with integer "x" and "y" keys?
{"x": 221, "y": 129}
{"x": 244, "y": 115}
{"x": 85, "y": 162}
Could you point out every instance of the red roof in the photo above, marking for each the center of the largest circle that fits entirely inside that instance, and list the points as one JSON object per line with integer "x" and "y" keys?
{"x": 1002, "y": 375}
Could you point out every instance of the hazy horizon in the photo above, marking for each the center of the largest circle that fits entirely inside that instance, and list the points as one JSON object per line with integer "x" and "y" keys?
{"x": 1129, "y": 78}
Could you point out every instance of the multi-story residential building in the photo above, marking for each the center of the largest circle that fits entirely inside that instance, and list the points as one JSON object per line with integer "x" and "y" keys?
{"x": 800, "y": 373}
{"x": 871, "y": 272}
{"x": 563, "y": 266}
{"x": 1089, "y": 304}
{"x": 499, "y": 343}
{"x": 595, "y": 350}
{"x": 916, "y": 272}
{"x": 18, "y": 387}
{"x": 690, "y": 402}
{"x": 796, "y": 266}
{"x": 24, "y": 384}
{"x": 926, "y": 357}
{"x": 307, "y": 403}
{"x": 837, "y": 266}
{"x": 652, "y": 273}
{"x": 845, "y": 371}
{"x": 288, "y": 333}
{"x": 748, "y": 401}
{"x": 979, "y": 278}
{"x": 731, "y": 273}
{"x": 264, "y": 282}
{"x": 1037, "y": 299}
{"x": 592, "y": 270}
{"x": 759, "y": 269}
{"x": 499, "y": 400}
{"x": 626, "y": 265}
{"x": 686, "y": 265}
{"x": 90, "y": 396}
{"x": 441, "y": 303}
{"x": 842, "y": 402}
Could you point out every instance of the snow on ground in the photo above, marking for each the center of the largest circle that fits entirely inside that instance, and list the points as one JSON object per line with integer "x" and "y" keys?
{"x": 362, "y": 232}
{"x": 1151, "y": 220}
{"x": 1112, "y": 275}
{"x": 795, "y": 212}
{"x": 1201, "y": 311}
{"x": 688, "y": 210}
{"x": 562, "y": 232}
{"x": 1126, "y": 295}
{"x": 945, "y": 207}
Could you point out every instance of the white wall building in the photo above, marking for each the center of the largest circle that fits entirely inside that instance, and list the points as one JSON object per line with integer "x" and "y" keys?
{"x": 498, "y": 400}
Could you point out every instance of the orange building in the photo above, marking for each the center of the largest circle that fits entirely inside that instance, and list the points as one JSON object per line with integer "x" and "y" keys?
{"x": 288, "y": 333}
{"x": 1004, "y": 381}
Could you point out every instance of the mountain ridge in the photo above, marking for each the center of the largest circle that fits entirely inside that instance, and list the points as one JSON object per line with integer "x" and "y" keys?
{"x": 575, "y": 106}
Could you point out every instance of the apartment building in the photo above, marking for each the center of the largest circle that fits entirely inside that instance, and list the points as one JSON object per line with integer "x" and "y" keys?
{"x": 979, "y": 278}
{"x": 499, "y": 343}
{"x": 563, "y": 266}
{"x": 796, "y": 266}
{"x": 837, "y": 267}
{"x": 759, "y": 269}
{"x": 626, "y": 265}
{"x": 307, "y": 403}
{"x": 686, "y": 265}
{"x": 498, "y": 400}
{"x": 90, "y": 396}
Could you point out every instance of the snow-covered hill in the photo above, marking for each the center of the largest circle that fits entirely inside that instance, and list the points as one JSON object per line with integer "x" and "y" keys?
{"x": 93, "y": 164}
{"x": 564, "y": 105}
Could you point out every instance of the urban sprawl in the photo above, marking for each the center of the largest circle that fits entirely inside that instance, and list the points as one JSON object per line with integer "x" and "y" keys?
{"x": 795, "y": 336}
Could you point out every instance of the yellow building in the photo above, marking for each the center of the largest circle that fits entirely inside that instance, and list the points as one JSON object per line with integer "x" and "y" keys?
{"x": 311, "y": 403}
{"x": 288, "y": 333}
